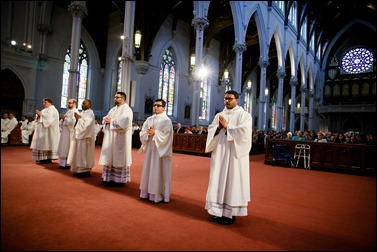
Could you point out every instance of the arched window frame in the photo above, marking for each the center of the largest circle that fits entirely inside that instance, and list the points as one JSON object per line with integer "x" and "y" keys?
{"x": 82, "y": 77}
{"x": 166, "y": 83}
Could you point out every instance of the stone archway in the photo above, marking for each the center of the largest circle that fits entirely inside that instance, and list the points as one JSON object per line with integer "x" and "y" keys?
{"x": 12, "y": 93}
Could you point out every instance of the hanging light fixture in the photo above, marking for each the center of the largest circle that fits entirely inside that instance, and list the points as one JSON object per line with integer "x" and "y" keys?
{"x": 290, "y": 101}
{"x": 137, "y": 39}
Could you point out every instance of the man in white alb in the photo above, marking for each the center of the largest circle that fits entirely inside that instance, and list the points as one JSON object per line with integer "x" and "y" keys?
{"x": 81, "y": 153}
{"x": 229, "y": 140}
{"x": 116, "y": 152}
{"x": 67, "y": 133}
{"x": 156, "y": 137}
{"x": 46, "y": 134}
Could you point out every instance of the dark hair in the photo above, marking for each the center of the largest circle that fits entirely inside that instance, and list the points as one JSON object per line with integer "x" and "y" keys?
{"x": 48, "y": 99}
{"x": 90, "y": 102}
{"x": 162, "y": 101}
{"x": 233, "y": 93}
{"x": 122, "y": 94}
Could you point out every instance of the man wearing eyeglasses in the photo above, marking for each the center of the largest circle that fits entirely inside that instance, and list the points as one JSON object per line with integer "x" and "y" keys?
{"x": 116, "y": 152}
{"x": 156, "y": 137}
{"x": 229, "y": 140}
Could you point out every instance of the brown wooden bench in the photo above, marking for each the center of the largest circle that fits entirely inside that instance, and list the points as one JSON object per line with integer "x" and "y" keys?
{"x": 190, "y": 143}
{"x": 354, "y": 158}
{"x": 15, "y": 136}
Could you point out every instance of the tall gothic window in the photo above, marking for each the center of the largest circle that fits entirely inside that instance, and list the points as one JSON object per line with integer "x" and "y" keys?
{"x": 303, "y": 30}
{"x": 293, "y": 15}
{"x": 247, "y": 97}
{"x": 203, "y": 99}
{"x": 119, "y": 73}
{"x": 82, "y": 77}
{"x": 167, "y": 80}
{"x": 280, "y": 5}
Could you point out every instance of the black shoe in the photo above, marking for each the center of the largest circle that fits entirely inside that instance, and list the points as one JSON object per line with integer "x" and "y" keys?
{"x": 83, "y": 174}
{"x": 45, "y": 161}
{"x": 216, "y": 219}
{"x": 226, "y": 221}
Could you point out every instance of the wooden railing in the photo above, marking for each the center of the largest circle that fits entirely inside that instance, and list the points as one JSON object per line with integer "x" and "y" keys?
{"x": 15, "y": 136}
{"x": 135, "y": 139}
{"x": 190, "y": 143}
{"x": 358, "y": 158}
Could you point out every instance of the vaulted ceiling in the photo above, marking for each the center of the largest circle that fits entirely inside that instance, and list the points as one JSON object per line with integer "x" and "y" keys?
{"x": 326, "y": 19}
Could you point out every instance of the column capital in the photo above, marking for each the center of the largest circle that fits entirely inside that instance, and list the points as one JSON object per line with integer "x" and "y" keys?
{"x": 77, "y": 10}
{"x": 293, "y": 82}
{"x": 239, "y": 48}
{"x": 263, "y": 63}
{"x": 280, "y": 73}
{"x": 311, "y": 93}
{"x": 303, "y": 89}
{"x": 199, "y": 23}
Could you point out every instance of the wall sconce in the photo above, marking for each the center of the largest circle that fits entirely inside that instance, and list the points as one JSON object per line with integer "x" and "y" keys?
{"x": 25, "y": 47}
{"x": 226, "y": 74}
{"x": 298, "y": 105}
{"x": 249, "y": 85}
{"x": 192, "y": 61}
{"x": 266, "y": 92}
{"x": 137, "y": 39}
{"x": 225, "y": 77}
{"x": 289, "y": 101}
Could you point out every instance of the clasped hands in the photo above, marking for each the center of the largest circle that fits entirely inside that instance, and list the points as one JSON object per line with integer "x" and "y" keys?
{"x": 222, "y": 123}
{"x": 150, "y": 131}
{"x": 77, "y": 116}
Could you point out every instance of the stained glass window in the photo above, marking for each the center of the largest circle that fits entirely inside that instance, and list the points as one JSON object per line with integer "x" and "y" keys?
{"x": 167, "y": 81}
{"x": 119, "y": 76}
{"x": 357, "y": 60}
{"x": 82, "y": 77}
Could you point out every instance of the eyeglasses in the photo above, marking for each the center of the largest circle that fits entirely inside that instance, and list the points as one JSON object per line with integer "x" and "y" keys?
{"x": 116, "y": 97}
{"x": 157, "y": 105}
{"x": 228, "y": 99}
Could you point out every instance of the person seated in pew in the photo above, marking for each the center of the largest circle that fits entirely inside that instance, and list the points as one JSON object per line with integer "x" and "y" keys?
{"x": 8, "y": 127}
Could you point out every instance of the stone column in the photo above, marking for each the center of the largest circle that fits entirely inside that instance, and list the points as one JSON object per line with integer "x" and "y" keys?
{"x": 262, "y": 119}
{"x": 311, "y": 109}
{"x": 302, "y": 113}
{"x": 239, "y": 49}
{"x": 44, "y": 30}
{"x": 127, "y": 49}
{"x": 279, "y": 103}
{"x": 199, "y": 24}
{"x": 293, "y": 82}
{"x": 78, "y": 11}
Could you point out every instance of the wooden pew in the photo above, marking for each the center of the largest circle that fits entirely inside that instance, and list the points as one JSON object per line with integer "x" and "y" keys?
{"x": 99, "y": 138}
{"x": 354, "y": 158}
{"x": 190, "y": 143}
{"x": 15, "y": 136}
{"x": 136, "y": 143}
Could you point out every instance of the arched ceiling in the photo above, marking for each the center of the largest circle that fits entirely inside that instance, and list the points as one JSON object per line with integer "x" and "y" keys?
{"x": 325, "y": 19}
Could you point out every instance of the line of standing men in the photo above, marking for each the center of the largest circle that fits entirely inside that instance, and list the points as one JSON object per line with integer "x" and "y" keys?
{"x": 229, "y": 140}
